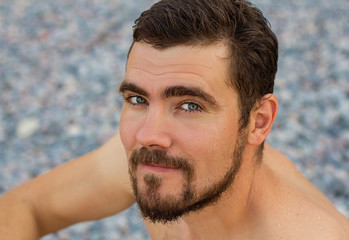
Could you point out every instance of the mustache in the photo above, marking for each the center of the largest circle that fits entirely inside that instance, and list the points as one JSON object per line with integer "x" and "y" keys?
{"x": 159, "y": 157}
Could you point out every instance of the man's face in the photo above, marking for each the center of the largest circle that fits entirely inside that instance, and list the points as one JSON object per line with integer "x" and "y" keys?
{"x": 179, "y": 127}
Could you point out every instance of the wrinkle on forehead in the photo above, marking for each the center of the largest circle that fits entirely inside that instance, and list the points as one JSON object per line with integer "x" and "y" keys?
{"x": 192, "y": 56}
{"x": 165, "y": 71}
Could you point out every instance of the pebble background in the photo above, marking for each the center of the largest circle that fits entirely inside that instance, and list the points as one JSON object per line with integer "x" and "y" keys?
{"x": 61, "y": 62}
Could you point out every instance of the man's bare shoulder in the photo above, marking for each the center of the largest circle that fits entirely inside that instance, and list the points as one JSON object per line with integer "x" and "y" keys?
{"x": 293, "y": 207}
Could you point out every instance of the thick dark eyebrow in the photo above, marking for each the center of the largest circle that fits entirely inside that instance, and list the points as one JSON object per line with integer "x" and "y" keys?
{"x": 180, "y": 91}
{"x": 126, "y": 86}
{"x": 173, "y": 91}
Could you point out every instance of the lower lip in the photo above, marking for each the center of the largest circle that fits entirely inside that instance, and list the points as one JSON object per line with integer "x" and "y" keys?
{"x": 156, "y": 168}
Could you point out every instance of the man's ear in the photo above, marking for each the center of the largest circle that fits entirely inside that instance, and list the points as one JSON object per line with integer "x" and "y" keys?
{"x": 262, "y": 119}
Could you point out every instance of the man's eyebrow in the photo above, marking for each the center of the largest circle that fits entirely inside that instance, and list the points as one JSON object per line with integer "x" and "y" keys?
{"x": 127, "y": 86}
{"x": 173, "y": 91}
{"x": 179, "y": 91}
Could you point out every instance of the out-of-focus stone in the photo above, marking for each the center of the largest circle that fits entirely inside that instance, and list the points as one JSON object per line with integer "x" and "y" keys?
{"x": 26, "y": 127}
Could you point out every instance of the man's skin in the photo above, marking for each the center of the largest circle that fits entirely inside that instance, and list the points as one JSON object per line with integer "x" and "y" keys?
{"x": 91, "y": 187}
{"x": 267, "y": 200}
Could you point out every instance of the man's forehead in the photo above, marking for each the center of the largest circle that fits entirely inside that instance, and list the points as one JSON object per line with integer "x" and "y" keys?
{"x": 206, "y": 62}
{"x": 218, "y": 50}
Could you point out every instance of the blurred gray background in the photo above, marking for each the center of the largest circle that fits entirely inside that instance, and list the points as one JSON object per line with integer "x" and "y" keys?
{"x": 61, "y": 63}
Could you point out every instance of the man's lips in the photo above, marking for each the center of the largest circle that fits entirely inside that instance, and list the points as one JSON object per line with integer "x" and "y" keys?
{"x": 157, "y": 168}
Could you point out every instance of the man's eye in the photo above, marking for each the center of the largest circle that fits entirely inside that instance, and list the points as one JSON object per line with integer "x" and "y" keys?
{"x": 137, "y": 100}
{"x": 189, "y": 106}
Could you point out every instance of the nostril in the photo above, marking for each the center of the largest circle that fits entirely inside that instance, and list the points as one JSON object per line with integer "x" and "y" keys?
{"x": 155, "y": 146}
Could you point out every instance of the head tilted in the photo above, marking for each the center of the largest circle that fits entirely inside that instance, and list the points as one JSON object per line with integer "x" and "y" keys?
{"x": 253, "y": 47}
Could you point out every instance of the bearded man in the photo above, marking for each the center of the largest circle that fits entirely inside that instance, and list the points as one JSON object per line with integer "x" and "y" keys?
{"x": 198, "y": 107}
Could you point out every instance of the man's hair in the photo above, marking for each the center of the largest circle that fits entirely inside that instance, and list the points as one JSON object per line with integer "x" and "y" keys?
{"x": 253, "y": 47}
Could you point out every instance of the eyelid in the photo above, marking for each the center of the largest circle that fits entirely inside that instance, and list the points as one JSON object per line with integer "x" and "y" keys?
{"x": 127, "y": 94}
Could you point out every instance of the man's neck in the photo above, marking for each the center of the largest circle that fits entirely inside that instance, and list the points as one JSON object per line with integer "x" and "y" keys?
{"x": 232, "y": 213}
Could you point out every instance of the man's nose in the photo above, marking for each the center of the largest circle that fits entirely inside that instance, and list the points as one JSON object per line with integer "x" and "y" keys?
{"x": 155, "y": 130}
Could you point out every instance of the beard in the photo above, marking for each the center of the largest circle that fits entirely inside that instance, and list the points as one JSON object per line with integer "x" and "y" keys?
{"x": 164, "y": 209}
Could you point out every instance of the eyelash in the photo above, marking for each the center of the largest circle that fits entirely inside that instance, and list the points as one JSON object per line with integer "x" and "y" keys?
{"x": 128, "y": 100}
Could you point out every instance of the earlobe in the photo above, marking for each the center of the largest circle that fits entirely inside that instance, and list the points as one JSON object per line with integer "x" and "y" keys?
{"x": 262, "y": 119}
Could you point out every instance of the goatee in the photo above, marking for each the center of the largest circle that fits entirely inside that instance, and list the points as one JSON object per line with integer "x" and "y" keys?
{"x": 166, "y": 208}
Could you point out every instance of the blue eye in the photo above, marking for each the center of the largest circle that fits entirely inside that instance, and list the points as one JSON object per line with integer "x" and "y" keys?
{"x": 191, "y": 107}
{"x": 136, "y": 100}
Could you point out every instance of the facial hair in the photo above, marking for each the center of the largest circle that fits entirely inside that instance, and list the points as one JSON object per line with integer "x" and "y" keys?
{"x": 165, "y": 209}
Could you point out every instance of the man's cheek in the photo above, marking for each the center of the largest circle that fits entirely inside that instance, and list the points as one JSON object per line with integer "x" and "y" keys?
{"x": 126, "y": 137}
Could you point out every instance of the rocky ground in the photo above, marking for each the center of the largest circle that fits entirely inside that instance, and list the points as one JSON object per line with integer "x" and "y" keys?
{"x": 61, "y": 63}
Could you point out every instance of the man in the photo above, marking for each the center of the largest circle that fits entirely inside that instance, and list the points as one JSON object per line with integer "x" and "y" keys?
{"x": 198, "y": 107}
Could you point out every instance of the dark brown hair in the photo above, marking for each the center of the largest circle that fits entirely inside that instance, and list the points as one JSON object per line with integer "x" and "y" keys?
{"x": 252, "y": 44}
